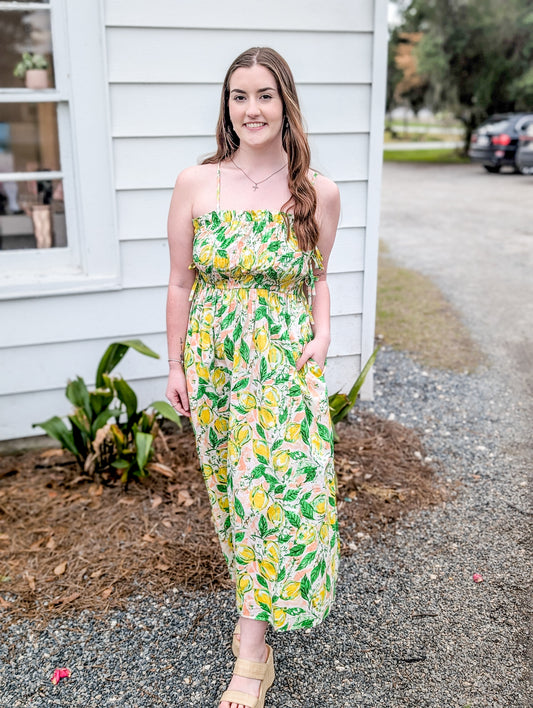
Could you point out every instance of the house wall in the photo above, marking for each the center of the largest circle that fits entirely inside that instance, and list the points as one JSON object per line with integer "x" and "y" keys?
{"x": 166, "y": 61}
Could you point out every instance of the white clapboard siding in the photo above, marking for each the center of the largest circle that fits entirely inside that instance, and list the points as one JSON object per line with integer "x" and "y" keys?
{"x": 161, "y": 110}
{"x": 152, "y": 163}
{"x": 198, "y": 56}
{"x": 143, "y": 213}
{"x": 47, "y": 367}
{"x": 340, "y": 15}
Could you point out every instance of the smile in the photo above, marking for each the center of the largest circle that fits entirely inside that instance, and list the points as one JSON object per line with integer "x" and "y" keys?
{"x": 254, "y": 125}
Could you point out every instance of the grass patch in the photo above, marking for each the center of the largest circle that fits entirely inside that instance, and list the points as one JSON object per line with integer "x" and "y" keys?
{"x": 438, "y": 156}
{"x": 413, "y": 316}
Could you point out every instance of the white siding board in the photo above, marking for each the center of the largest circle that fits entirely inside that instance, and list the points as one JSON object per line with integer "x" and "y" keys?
{"x": 178, "y": 55}
{"x": 153, "y": 163}
{"x": 159, "y": 110}
{"x": 348, "y": 251}
{"x": 333, "y": 15}
{"x": 143, "y": 213}
{"x": 341, "y": 372}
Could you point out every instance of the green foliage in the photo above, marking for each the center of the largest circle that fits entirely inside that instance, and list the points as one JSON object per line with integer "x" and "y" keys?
{"x": 106, "y": 431}
{"x": 29, "y": 61}
{"x": 476, "y": 54}
{"x": 340, "y": 404}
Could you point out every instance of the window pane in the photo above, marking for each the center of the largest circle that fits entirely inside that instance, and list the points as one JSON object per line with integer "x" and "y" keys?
{"x": 25, "y": 31}
{"x": 32, "y": 214}
{"x": 28, "y": 137}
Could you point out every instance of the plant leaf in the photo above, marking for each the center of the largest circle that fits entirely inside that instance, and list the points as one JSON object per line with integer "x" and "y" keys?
{"x": 143, "y": 442}
{"x": 165, "y": 409}
{"x": 78, "y": 395}
{"x": 115, "y": 352}
{"x": 57, "y": 429}
{"x": 126, "y": 394}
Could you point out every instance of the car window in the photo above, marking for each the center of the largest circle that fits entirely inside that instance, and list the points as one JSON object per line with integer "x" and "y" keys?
{"x": 493, "y": 127}
{"x": 525, "y": 125}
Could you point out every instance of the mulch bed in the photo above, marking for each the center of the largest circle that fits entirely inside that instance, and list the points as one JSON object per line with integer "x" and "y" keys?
{"x": 69, "y": 543}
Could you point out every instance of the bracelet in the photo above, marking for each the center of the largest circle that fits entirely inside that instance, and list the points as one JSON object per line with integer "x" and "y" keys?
{"x": 178, "y": 361}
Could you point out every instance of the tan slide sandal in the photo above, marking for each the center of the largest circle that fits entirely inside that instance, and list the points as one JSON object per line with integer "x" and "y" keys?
{"x": 254, "y": 670}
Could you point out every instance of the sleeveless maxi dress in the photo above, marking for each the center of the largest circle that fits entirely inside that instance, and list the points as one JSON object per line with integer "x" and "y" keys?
{"x": 263, "y": 429}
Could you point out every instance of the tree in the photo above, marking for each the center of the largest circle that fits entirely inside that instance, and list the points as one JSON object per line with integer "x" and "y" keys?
{"x": 475, "y": 54}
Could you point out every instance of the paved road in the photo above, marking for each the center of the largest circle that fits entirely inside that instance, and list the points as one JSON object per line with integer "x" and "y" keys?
{"x": 472, "y": 233}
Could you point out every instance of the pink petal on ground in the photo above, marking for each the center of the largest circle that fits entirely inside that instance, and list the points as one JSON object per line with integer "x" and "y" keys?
{"x": 477, "y": 578}
{"x": 59, "y": 674}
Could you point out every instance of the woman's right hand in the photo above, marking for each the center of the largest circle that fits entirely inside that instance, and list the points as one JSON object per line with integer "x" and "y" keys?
{"x": 177, "y": 390}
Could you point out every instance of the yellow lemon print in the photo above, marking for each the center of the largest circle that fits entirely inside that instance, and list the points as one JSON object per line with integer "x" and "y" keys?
{"x": 281, "y": 460}
{"x": 244, "y": 582}
{"x": 258, "y": 498}
{"x": 275, "y": 514}
{"x": 205, "y": 415}
{"x": 219, "y": 377}
{"x": 275, "y": 356}
{"x": 270, "y": 397}
{"x": 306, "y": 534}
{"x": 207, "y": 471}
{"x": 320, "y": 504}
{"x": 221, "y": 260}
{"x": 247, "y": 259}
{"x": 223, "y": 503}
{"x": 188, "y": 358}
{"x": 261, "y": 448}
{"x": 242, "y": 434}
{"x": 266, "y": 418}
{"x": 261, "y": 596}
{"x": 222, "y": 475}
{"x": 324, "y": 534}
{"x": 247, "y": 400}
{"x": 221, "y": 425}
{"x": 261, "y": 339}
{"x": 279, "y": 616}
{"x": 208, "y": 317}
{"x": 272, "y": 551}
{"x": 245, "y": 554}
{"x": 205, "y": 339}
{"x": 219, "y": 350}
{"x": 202, "y": 371}
{"x": 290, "y": 591}
{"x": 318, "y": 599}
{"x": 293, "y": 432}
{"x": 205, "y": 254}
{"x": 268, "y": 570}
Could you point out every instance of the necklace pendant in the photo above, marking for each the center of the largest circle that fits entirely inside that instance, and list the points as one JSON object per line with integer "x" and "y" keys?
{"x": 255, "y": 187}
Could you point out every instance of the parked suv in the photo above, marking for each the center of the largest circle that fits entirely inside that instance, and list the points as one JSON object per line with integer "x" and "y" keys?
{"x": 495, "y": 142}
{"x": 524, "y": 152}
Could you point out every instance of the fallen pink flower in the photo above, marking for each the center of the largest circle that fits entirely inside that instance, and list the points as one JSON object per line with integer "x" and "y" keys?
{"x": 477, "y": 578}
{"x": 59, "y": 674}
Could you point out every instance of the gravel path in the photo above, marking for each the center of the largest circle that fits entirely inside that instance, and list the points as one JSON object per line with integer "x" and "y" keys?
{"x": 410, "y": 628}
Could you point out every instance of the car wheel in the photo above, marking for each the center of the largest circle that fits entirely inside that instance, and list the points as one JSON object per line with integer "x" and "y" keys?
{"x": 524, "y": 170}
{"x": 492, "y": 168}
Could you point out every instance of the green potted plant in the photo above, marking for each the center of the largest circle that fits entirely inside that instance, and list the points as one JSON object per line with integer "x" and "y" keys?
{"x": 32, "y": 67}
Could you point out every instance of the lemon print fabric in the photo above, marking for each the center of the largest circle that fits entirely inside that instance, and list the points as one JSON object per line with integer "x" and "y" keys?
{"x": 263, "y": 429}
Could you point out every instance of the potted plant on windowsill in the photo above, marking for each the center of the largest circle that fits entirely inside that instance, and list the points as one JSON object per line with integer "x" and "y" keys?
{"x": 32, "y": 67}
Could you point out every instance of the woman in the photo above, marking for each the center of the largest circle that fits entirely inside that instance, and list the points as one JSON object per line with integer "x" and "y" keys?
{"x": 248, "y": 334}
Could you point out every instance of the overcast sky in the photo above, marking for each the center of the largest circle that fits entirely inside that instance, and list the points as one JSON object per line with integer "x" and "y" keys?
{"x": 393, "y": 14}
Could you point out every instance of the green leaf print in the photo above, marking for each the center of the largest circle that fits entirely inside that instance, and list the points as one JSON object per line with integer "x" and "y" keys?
{"x": 283, "y": 417}
{"x": 215, "y": 219}
{"x": 239, "y": 536}
{"x": 274, "y": 246}
{"x": 310, "y": 473}
{"x": 291, "y": 495}
{"x": 213, "y": 437}
{"x": 258, "y": 471}
{"x": 239, "y": 508}
{"x": 308, "y": 415}
{"x": 294, "y": 610}
{"x": 315, "y": 573}
{"x": 261, "y": 311}
{"x": 297, "y": 455}
{"x": 262, "y": 459}
{"x": 283, "y": 538}
{"x": 304, "y": 430}
{"x": 263, "y": 369}
{"x": 281, "y": 378}
{"x": 279, "y": 489}
{"x": 265, "y": 607}
{"x": 324, "y": 432}
{"x": 307, "y": 510}
{"x": 261, "y": 581}
{"x": 281, "y": 574}
{"x": 243, "y": 383}
{"x": 328, "y": 583}
{"x": 212, "y": 396}
{"x": 260, "y": 431}
{"x": 305, "y": 624}
{"x": 297, "y": 550}
{"x": 229, "y": 348}
{"x": 306, "y": 560}
{"x": 222, "y": 488}
{"x": 275, "y": 329}
{"x": 294, "y": 519}
{"x": 263, "y": 526}
{"x": 295, "y": 391}
{"x": 227, "y": 522}
{"x": 237, "y": 331}
{"x": 277, "y": 444}
{"x": 244, "y": 351}
{"x": 228, "y": 319}
{"x": 306, "y": 495}
{"x": 305, "y": 587}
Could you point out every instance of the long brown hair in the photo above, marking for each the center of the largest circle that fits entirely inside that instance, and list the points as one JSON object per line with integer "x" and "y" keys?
{"x": 303, "y": 198}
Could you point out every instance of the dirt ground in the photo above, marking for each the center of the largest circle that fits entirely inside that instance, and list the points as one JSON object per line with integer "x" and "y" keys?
{"x": 68, "y": 542}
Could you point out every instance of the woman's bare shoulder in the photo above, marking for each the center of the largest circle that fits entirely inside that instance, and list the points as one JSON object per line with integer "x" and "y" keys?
{"x": 196, "y": 175}
{"x": 327, "y": 192}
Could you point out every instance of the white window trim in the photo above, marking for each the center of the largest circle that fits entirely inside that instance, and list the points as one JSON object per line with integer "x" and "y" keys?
{"x": 91, "y": 261}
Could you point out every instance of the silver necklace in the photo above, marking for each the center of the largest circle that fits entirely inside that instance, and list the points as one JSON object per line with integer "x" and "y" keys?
{"x": 256, "y": 184}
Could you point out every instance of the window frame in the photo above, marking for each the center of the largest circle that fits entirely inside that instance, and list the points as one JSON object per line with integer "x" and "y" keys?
{"x": 91, "y": 259}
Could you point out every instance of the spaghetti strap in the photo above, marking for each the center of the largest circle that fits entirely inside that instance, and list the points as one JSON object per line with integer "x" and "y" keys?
{"x": 313, "y": 180}
{"x": 218, "y": 187}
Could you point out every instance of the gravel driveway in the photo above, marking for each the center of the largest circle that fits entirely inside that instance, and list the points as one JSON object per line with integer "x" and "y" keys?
{"x": 410, "y": 628}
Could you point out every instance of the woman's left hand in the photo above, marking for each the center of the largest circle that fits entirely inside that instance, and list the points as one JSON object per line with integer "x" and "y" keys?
{"x": 316, "y": 350}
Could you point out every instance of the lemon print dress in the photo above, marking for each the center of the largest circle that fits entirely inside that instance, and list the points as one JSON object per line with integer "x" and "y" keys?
{"x": 263, "y": 429}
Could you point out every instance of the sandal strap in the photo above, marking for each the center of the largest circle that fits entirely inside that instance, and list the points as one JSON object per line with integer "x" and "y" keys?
{"x": 250, "y": 669}
{"x": 245, "y": 699}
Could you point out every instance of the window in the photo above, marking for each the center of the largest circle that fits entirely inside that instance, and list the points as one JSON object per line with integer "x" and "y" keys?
{"x": 57, "y": 226}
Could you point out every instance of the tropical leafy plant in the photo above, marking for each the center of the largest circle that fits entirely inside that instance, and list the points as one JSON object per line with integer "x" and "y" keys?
{"x": 340, "y": 404}
{"x": 29, "y": 61}
{"x": 106, "y": 431}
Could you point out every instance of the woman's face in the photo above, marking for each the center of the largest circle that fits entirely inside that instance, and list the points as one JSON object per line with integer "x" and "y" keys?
{"x": 255, "y": 106}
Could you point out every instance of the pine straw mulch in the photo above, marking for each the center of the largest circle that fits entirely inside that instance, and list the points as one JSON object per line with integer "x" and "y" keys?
{"x": 69, "y": 543}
